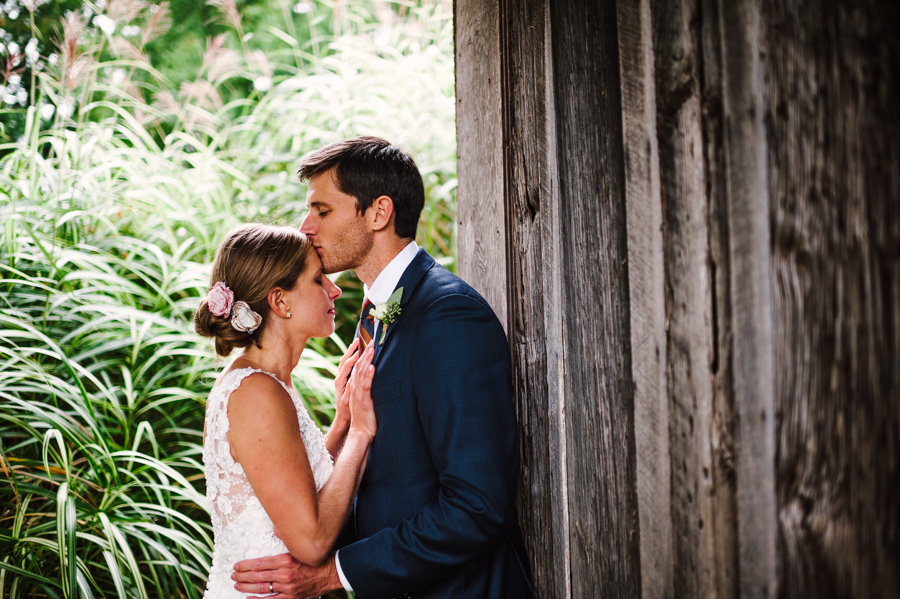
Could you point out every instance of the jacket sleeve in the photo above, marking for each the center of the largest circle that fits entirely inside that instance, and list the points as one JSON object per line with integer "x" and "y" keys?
{"x": 461, "y": 383}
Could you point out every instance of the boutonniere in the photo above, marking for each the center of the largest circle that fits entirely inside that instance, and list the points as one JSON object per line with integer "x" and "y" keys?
{"x": 387, "y": 312}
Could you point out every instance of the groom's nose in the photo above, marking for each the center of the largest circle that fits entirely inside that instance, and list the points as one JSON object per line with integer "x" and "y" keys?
{"x": 306, "y": 226}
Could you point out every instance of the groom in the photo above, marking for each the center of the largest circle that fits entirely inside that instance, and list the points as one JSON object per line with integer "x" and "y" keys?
{"x": 435, "y": 515}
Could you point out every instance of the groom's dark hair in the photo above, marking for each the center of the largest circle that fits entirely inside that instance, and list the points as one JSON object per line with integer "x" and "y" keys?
{"x": 367, "y": 168}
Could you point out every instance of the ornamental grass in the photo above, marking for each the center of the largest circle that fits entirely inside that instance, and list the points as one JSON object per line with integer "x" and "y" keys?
{"x": 112, "y": 202}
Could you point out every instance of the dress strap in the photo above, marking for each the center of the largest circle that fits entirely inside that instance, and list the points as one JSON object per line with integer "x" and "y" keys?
{"x": 231, "y": 381}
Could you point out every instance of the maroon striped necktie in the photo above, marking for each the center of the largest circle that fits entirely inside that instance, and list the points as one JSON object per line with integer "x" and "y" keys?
{"x": 366, "y": 324}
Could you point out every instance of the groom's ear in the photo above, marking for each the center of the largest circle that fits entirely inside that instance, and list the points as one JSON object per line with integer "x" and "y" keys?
{"x": 382, "y": 211}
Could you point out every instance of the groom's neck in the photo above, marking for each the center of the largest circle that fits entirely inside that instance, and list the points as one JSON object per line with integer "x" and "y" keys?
{"x": 383, "y": 251}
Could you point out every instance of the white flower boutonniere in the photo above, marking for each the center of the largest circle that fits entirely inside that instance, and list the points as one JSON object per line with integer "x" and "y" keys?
{"x": 387, "y": 312}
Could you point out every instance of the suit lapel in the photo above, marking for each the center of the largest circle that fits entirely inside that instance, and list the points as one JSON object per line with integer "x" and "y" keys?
{"x": 410, "y": 280}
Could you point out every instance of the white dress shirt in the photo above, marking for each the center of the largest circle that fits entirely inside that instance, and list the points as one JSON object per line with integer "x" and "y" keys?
{"x": 381, "y": 290}
{"x": 386, "y": 281}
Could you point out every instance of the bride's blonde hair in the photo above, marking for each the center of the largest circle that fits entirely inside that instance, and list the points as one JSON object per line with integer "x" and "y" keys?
{"x": 252, "y": 260}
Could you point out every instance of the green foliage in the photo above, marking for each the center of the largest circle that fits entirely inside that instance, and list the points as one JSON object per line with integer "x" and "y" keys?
{"x": 109, "y": 217}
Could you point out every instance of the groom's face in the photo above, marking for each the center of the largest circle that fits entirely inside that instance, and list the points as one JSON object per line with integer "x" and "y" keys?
{"x": 342, "y": 237}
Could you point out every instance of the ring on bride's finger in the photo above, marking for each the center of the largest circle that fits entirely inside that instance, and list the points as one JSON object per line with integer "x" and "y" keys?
{"x": 271, "y": 590}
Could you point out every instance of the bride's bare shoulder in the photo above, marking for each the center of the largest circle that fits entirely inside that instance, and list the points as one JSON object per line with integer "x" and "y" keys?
{"x": 261, "y": 414}
{"x": 260, "y": 388}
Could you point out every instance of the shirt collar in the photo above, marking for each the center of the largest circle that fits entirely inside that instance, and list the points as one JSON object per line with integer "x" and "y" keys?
{"x": 387, "y": 279}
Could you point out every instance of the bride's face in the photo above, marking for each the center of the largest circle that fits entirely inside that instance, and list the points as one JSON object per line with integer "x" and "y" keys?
{"x": 311, "y": 300}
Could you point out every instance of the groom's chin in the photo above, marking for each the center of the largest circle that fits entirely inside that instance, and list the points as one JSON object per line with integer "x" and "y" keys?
{"x": 327, "y": 268}
{"x": 330, "y": 269}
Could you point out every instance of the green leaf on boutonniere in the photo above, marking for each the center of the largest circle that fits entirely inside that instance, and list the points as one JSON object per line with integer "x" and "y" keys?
{"x": 387, "y": 312}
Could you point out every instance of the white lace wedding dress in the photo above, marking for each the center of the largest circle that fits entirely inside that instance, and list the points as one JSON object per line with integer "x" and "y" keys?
{"x": 241, "y": 526}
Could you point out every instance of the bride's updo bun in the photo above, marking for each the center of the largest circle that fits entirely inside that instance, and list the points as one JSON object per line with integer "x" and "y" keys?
{"x": 252, "y": 260}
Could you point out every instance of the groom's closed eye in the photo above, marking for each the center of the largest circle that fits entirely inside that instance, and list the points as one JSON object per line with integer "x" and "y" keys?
{"x": 318, "y": 208}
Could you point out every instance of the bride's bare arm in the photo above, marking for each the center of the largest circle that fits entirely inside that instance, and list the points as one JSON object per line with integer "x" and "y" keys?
{"x": 334, "y": 438}
{"x": 265, "y": 438}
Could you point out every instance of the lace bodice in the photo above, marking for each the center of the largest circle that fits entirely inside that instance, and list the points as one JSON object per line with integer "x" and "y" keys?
{"x": 241, "y": 527}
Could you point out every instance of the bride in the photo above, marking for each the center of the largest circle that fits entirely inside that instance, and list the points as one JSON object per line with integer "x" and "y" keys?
{"x": 268, "y": 466}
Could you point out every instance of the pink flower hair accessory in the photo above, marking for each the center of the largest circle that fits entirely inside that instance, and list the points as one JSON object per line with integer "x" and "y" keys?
{"x": 220, "y": 299}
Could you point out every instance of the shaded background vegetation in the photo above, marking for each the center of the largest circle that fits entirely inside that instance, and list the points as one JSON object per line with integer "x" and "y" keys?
{"x": 146, "y": 132}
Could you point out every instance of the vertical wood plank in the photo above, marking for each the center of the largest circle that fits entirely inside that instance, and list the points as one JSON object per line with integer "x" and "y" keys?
{"x": 534, "y": 263}
{"x": 722, "y": 432}
{"x": 834, "y": 137}
{"x": 643, "y": 205}
{"x": 479, "y": 134}
{"x": 703, "y": 529}
{"x": 555, "y": 327}
{"x": 751, "y": 295}
{"x": 604, "y": 534}
{"x": 555, "y": 321}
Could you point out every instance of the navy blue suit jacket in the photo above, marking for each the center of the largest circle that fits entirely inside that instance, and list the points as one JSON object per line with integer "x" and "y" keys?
{"x": 435, "y": 514}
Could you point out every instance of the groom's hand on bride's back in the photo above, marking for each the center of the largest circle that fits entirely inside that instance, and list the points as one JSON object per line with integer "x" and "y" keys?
{"x": 290, "y": 579}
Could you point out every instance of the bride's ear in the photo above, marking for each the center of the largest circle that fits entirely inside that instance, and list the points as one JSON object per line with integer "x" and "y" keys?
{"x": 381, "y": 212}
{"x": 277, "y": 304}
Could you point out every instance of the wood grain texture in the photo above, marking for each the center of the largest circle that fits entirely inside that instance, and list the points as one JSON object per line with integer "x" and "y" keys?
{"x": 537, "y": 330}
{"x": 479, "y": 134}
{"x": 604, "y": 535}
{"x": 702, "y": 495}
{"x": 643, "y": 205}
{"x": 701, "y": 246}
{"x": 722, "y": 431}
{"x": 834, "y": 139}
{"x": 751, "y": 296}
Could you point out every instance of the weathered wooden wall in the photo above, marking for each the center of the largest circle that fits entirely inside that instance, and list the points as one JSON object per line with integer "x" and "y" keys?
{"x": 555, "y": 205}
{"x": 833, "y": 133}
{"x": 701, "y": 220}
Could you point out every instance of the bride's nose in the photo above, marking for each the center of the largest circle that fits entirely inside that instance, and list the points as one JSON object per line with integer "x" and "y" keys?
{"x": 334, "y": 291}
